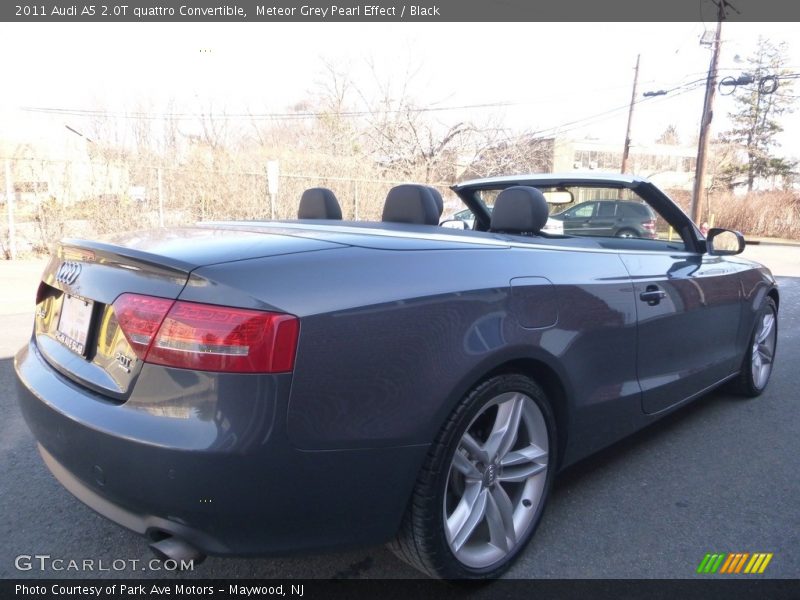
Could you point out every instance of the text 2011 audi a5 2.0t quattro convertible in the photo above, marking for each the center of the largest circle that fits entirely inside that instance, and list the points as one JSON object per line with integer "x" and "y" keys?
{"x": 251, "y": 388}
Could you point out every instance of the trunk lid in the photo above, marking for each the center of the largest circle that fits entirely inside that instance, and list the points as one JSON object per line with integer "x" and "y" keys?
{"x": 76, "y": 329}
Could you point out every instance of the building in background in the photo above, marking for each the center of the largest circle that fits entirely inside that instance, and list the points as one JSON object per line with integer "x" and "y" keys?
{"x": 62, "y": 168}
{"x": 668, "y": 166}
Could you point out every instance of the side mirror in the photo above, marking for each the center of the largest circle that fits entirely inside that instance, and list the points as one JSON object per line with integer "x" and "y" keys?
{"x": 454, "y": 224}
{"x": 724, "y": 242}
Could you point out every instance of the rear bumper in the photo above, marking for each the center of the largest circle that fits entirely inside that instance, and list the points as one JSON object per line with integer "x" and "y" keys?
{"x": 205, "y": 457}
{"x": 143, "y": 524}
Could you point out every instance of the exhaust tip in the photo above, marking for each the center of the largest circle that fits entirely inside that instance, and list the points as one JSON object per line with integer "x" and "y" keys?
{"x": 172, "y": 548}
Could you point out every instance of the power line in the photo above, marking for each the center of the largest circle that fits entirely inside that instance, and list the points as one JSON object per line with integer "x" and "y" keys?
{"x": 766, "y": 84}
{"x": 564, "y": 127}
{"x": 590, "y": 120}
{"x": 82, "y": 112}
{"x": 256, "y": 116}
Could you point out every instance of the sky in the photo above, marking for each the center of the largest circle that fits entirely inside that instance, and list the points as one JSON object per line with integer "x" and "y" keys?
{"x": 570, "y": 78}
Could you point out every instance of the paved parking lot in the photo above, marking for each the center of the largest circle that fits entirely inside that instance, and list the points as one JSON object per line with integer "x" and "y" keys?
{"x": 718, "y": 476}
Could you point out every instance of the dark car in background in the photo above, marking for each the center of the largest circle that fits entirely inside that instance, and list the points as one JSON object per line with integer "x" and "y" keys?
{"x": 616, "y": 218}
{"x": 467, "y": 218}
{"x": 252, "y": 388}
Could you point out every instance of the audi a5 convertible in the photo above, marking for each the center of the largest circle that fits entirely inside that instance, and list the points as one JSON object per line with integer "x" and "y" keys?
{"x": 253, "y": 388}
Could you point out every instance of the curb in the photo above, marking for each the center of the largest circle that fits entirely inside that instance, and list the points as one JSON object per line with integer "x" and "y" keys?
{"x": 757, "y": 241}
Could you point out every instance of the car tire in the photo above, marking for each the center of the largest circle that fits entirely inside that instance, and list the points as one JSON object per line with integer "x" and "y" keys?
{"x": 626, "y": 233}
{"x": 760, "y": 355}
{"x": 483, "y": 486}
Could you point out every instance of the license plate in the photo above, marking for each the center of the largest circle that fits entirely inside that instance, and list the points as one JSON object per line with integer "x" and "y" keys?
{"x": 73, "y": 325}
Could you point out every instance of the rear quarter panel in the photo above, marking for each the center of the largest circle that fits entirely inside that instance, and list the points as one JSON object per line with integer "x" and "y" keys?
{"x": 391, "y": 340}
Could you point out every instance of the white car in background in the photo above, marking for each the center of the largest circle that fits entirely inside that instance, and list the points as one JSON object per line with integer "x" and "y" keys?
{"x": 553, "y": 226}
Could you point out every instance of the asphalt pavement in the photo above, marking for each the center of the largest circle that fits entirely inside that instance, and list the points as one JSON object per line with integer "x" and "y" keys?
{"x": 720, "y": 475}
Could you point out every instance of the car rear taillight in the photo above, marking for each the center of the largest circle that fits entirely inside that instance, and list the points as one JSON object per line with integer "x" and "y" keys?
{"x": 207, "y": 337}
{"x": 139, "y": 317}
{"x": 650, "y": 227}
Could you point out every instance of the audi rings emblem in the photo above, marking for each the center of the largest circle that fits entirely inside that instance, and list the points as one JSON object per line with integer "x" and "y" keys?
{"x": 68, "y": 272}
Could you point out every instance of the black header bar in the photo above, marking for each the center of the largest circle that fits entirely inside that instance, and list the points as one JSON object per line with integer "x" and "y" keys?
{"x": 434, "y": 11}
{"x": 354, "y": 589}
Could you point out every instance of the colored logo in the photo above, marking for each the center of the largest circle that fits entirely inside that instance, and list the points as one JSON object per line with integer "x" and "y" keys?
{"x": 735, "y": 562}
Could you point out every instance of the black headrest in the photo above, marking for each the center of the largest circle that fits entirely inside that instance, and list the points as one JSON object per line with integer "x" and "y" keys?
{"x": 519, "y": 209}
{"x": 438, "y": 197}
{"x": 409, "y": 203}
{"x": 319, "y": 203}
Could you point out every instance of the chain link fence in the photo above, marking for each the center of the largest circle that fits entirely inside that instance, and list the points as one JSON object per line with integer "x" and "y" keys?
{"x": 53, "y": 199}
{"x": 56, "y": 199}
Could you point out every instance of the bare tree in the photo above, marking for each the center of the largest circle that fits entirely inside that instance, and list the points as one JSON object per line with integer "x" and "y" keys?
{"x": 669, "y": 136}
{"x": 506, "y": 154}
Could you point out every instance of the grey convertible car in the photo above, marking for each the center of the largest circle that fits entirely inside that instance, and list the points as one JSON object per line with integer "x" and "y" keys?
{"x": 250, "y": 388}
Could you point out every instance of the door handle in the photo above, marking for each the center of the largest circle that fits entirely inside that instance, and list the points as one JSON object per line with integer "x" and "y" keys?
{"x": 652, "y": 295}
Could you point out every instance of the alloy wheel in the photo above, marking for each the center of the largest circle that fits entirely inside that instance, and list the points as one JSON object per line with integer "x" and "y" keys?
{"x": 496, "y": 480}
{"x": 763, "y": 350}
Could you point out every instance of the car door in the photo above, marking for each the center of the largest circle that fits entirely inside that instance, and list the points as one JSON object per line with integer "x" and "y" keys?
{"x": 604, "y": 219}
{"x": 688, "y": 311}
{"x": 577, "y": 219}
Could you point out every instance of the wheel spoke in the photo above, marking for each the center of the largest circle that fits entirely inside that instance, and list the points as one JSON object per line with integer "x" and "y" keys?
{"x": 467, "y": 516}
{"x": 465, "y": 467}
{"x": 756, "y": 359}
{"x": 473, "y": 448}
{"x": 506, "y": 426}
{"x": 521, "y": 473}
{"x": 766, "y": 328}
{"x": 500, "y": 519}
{"x": 532, "y": 453}
{"x": 766, "y": 353}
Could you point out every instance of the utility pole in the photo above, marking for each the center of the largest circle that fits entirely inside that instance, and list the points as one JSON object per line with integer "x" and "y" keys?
{"x": 273, "y": 174}
{"x": 705, "y": 121}
{"x": 12, "y": 234}
{"x": 160, "y": 198}
{"x": 627, "y": 148}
